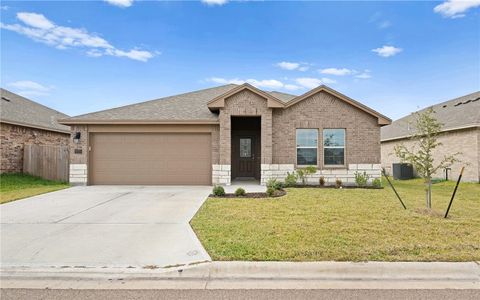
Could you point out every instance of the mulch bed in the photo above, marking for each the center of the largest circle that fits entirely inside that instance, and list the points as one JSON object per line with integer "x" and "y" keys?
{"x": 252, "y": 195}
{"x": 334, "y": 187}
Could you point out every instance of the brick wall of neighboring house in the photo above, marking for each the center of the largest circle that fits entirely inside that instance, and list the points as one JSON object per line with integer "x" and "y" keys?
{"x": 13, "y": 139}
{"x": 466, "y": 141}
{"x": 321, "y": 111}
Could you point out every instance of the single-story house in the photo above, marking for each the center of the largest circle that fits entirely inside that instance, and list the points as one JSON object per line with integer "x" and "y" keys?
{"x": 23, "y": 121}
{"x": 460, "y": 133}
{"x": 220, "y": 134}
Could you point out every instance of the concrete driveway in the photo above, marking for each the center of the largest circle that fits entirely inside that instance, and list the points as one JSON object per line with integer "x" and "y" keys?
{"x": 103, "y": 226}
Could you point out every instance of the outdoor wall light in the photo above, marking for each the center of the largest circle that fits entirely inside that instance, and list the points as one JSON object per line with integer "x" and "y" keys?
{"x": 76, "y": 137}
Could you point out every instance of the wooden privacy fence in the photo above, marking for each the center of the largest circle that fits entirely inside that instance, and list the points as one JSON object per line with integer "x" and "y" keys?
{"x": 46, "y": 161}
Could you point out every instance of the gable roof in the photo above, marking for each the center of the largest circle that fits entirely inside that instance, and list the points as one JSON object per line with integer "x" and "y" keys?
{"x": 19, "y": 110}
{"x": 200, "y": 107}
{"x": 219, "y": 101}
{"x": 382, "y": 120}
{"x": 458, "y": 113}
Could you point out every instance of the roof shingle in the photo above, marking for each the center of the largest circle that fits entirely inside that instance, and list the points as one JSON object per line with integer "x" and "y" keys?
{"x": 460, "y": 112}
{"x": 19, "y": 110}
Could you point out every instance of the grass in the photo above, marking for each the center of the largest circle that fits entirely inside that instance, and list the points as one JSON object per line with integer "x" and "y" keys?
{"x": 18, "y": 186}
{"x": 344, "y": 225}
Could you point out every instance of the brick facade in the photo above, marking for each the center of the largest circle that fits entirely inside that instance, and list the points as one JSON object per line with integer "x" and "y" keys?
{"x": 278, "y": 137}
{"x": 320, "y": 111}
{"x": 14, "y": 137}
{"x": 466, "y": 141}
{"x": 278, "y": 132}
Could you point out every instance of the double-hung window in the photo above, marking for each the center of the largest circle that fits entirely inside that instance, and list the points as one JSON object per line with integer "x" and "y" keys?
{"x": 307, "y": 145}
{"x": 334, "y": 147}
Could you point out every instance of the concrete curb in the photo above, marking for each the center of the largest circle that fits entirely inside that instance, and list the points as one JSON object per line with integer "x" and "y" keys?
{"x": 233, "y": 275}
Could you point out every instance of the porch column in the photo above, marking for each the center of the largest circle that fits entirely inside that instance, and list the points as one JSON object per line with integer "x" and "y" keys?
{"x": 266, "y": 137}
{"x": 221, "y": 173}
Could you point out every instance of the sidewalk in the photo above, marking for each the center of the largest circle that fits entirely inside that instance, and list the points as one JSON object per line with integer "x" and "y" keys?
{"x": 255, "y": 275}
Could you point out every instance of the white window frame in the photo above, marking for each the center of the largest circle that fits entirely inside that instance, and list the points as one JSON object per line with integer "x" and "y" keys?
{"x": 304, "y": 147}
{"x": 335, "y": 147}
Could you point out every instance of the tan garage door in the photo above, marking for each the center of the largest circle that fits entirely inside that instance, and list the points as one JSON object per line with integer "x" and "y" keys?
{"x": 150, "y": 158}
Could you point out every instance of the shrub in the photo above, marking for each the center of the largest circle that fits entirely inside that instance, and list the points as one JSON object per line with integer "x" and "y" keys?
{"x": 377, "y": 183}
{"x": 304, "y": 172}
{"x": 218, "y": 190}
{"x": 239, "y": 192}
{"x": 322, "y": 181}
{"x": 274, "y": 184}
{"x": 291, "y": 179}
{"x": 338, "y": 183}
{"x": 270, "y": 192}
{"x": 361, "y": 179}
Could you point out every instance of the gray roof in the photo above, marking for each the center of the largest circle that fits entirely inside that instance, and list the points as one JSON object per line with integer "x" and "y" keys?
{"x": 19, "y": 110}
{"x": 284, "y": 97}
{"x": 188, "y": 106}
{"x": 462, "y": 112}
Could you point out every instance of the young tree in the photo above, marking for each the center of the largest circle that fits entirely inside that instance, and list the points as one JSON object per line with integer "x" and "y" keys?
{"x": 427, "y": 128}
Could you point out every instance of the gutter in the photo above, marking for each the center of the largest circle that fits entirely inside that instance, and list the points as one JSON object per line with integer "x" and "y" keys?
{"x": 138, "y": 122}
{"x": 35, "y": 126}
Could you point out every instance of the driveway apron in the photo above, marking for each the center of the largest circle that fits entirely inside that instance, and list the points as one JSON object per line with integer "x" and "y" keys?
{"x": 103, "y": 226}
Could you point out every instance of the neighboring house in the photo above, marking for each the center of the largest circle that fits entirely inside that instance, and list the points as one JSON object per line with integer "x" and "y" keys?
{"x": 460, "y": 133}
{"x": 23, "y": 121}
{"x": 217, "y": 135}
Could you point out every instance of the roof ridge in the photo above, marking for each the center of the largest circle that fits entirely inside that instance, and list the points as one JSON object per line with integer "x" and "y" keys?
{"x": 32, "y": 102}
{"x": 439, "y": 104}
{"x": 153, "y": 100}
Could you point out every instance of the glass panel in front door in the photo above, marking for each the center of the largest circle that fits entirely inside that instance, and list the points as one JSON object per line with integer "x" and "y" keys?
{"x": 245, "y": 147}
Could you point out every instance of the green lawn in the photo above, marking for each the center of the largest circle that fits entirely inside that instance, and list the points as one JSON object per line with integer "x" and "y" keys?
{"x": 18, "y": 186}
{"x": 344, "y": 225}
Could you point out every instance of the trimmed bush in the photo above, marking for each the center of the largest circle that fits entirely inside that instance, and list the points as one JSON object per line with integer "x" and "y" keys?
{"x": 321, "y": 181}
{"x": 218, "y": 191}
{"x": 270, "y": 191}
{"x": 239, "y": 192}
{"x": 377, "y": 183}
{"x": 361, "y": 179}
{"x": 338, "y": 183}
{"x": 274, "y": 184}
{"x": 291, "y": 179}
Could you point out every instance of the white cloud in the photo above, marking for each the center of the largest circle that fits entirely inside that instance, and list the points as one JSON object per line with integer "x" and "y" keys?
{"x": 30, "y": 88}
{"x": 42, "y": 30}
{"x": 336, "y": 71}
{"x": 120, "y": 3}
{"x": 292, "y": 66}
{"x": 215, "y": 2}
{"x": 387, "y": 51}
{"x": 292, "y": 87}
{"x": 455, "y": 8}
{"x": 271, "y": 84}
{"x": 364, "y": 75}
{"x": 384, "y": 24}
{"x": 288, "y": 65}
{"x": 311, "y": 83}
{"x": 35, "y": 20}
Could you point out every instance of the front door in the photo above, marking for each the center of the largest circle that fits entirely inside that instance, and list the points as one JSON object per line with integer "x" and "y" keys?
{"x": 244, "y": 156}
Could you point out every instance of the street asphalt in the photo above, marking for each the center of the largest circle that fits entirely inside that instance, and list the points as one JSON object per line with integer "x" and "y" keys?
{"x": 33, "y": 294}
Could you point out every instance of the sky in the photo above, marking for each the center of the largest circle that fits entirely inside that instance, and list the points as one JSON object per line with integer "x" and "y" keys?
{"x": 84, "y": 56}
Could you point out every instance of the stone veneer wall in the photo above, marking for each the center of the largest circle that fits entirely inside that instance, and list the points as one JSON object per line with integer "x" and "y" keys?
{"x": 279, "y": 172}
{"x": 466, "y": 141}
{"x": 221, "y": 174}
{"x": 14, "y": 137}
